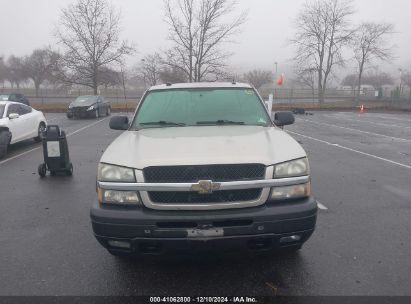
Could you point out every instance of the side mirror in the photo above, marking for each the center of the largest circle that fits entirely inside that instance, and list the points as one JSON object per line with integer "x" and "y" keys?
{"x": 283, "y": 118}
{"x": 119, "y": 123}
{"x": 13, "y": 115}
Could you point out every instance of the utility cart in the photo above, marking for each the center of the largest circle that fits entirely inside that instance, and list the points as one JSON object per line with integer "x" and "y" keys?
{"x": 55, "y": 152}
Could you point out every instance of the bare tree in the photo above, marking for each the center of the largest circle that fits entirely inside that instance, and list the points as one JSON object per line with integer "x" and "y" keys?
{"x": 40, "y": 65}
{"x": 150, "y": 68}
{"x": 89, "y": 32}
{"x": 258, "y": 78}
{"x": 3, "y": 71}
{"x": 16, "y": 73}
{"x": 110, "y": 77}
{"x": 406, "y": 80}
{"x": 172, "y": 75}
{"x": 351, "y": 80}
{"x": 369, "y": 43}
{"x": 198, "y": 33}
{"x": 377, "y": 80}
{"x": 306, "y": 76}
{"x": 322, "y": 32}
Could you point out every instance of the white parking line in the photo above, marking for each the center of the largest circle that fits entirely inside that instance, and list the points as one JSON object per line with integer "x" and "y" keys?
{"x": 352, "y": 150}
{"x": 86, "y": 127}
{"x": 355, "y": 130}
{"x": 366, "y": 121}
{"x": 37, "y": 148}
{"x": 321, "y": 206}
{"x": 394, "y": 118}
{"x": 18, "y": 155}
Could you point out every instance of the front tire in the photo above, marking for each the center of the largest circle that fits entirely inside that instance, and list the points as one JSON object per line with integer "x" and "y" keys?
{"x": 70, "y": 169}
{"x": 42, "y": 170}
{"x": 40, "y": 130}
{"x": 4, "y": 143}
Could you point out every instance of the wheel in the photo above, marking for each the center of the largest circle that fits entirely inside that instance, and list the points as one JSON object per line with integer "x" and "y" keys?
{"x": 69, "y": 171}
{"x": 42, "y": 170}
{"x": 97, "y": 115}
{"x": 40, "y": 130}
{"x": 69, "y": 115}
{"x": 4, "y": 143}
{"x": 108, "y": 113}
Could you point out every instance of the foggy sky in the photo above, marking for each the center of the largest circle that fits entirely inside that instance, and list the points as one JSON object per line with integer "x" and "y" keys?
{"x": 28, "y": 24}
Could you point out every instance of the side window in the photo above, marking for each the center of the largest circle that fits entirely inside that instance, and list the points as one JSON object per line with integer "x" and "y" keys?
{"x": 13, "y": 108}
{"x": 24, "y": 109}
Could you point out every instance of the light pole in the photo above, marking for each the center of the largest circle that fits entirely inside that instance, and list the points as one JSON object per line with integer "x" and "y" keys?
{"x": 275, "y": 79}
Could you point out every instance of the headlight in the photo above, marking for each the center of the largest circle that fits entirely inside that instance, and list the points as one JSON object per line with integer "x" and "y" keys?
{"x": 291, "y": 192}
{"x": 70, "y": 106}
{"x": 90, "y": 108}
{"x": 118, "y": 197}
{"x": 112, "y": 173}
{"x": 298, "y": 167}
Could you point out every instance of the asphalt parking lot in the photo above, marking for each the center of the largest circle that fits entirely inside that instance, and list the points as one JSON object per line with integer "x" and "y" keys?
{"x": 361, "y": 172}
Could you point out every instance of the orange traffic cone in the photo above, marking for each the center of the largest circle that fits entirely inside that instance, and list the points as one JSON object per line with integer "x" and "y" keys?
{"x": 362, "y": 108}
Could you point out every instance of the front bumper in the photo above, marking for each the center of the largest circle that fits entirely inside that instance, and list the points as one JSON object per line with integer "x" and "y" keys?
{"x": 159, "y": 232}
{"x": 80, "y": 112}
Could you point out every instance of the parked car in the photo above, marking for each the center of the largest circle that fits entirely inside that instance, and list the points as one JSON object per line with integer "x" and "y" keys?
{"x": 19, "y": 122}
{"x": 202, "y": 166}
{"x": 89, "y": 106}
{"x": 17, "y": 97}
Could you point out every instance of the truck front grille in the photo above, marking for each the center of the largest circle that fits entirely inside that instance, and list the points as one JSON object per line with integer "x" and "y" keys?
{"x": 192, "y": 174}
{"x": 225, "y": 196}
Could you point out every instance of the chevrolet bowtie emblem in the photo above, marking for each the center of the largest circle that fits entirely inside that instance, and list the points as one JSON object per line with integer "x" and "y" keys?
{"x": 205, "y": 187}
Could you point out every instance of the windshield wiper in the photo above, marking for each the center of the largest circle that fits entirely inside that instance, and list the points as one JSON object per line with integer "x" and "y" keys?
{"x": 220, "y": 122}
{"x": 163, "y": 123}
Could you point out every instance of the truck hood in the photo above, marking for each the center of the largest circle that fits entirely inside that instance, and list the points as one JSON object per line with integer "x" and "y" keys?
{"x": 202, "y": 145}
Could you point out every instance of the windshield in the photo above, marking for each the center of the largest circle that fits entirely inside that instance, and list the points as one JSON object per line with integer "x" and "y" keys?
{"x": 196, "y": 107}
{"x": 85, "y": 99}
{"x": 1, "y": 111}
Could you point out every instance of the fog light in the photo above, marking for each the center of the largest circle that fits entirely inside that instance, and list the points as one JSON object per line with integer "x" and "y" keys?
{"x": 290, "y": 239}
{"x": 119, "y": 244}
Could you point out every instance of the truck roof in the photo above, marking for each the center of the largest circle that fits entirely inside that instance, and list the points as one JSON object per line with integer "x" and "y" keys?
{"x": 195, "y": 85}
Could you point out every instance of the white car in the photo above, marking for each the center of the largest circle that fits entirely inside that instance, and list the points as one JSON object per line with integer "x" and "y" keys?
{"x": 19, "y": 122}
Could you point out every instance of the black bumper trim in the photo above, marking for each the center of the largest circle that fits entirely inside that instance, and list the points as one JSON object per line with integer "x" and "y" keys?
{"x": 229, "y": 244}
{"x": 143, "y": 227}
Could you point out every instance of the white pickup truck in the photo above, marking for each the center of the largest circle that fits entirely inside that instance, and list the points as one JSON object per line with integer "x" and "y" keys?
{"x": 201, "y": 166}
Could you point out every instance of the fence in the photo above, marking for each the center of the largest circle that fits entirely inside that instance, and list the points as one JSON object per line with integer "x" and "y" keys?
{"x": 59, "y": 99}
